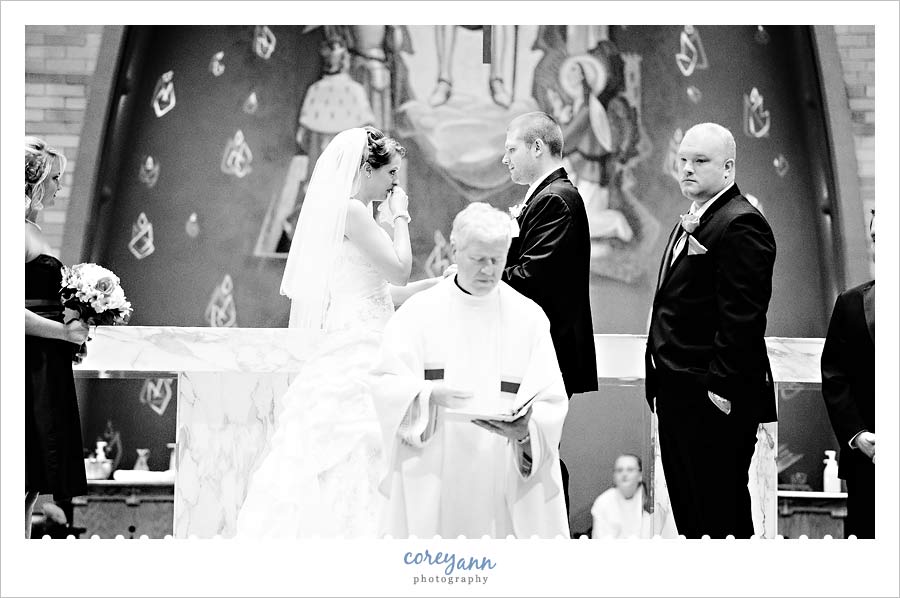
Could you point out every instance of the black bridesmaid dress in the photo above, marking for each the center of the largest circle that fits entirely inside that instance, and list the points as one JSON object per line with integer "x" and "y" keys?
{"x": 54, "y": 458}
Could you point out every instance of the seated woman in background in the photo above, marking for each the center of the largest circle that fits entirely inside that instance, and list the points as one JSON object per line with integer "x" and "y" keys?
{"x": 624, "y": 510}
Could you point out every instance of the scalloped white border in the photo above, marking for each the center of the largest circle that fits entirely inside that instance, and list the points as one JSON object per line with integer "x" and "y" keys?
{"x": 528, "y": 567}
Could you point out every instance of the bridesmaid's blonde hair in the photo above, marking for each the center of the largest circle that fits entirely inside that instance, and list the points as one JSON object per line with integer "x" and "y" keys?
{"x": 38, "y": 163}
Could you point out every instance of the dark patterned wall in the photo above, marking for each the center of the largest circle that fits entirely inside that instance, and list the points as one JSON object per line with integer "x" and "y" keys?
{"x": 215, "y": 227}
{"x": 191, "y": 259}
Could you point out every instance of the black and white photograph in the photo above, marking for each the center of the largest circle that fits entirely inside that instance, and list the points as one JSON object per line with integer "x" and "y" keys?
{"x": 431, "y": 308}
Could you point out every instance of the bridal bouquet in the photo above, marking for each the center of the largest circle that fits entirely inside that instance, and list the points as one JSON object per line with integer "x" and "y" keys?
{"x": 96, "y": 295}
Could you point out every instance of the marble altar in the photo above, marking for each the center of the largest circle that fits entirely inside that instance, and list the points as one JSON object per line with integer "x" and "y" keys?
{"x": 230, "y": 381}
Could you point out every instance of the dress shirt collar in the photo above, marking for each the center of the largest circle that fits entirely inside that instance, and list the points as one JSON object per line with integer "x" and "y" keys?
{"x": 538, "y": 181}
{"x": 700, "y": 210}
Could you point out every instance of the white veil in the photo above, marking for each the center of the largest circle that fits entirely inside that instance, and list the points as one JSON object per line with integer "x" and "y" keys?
{"x": 320, "y": 228}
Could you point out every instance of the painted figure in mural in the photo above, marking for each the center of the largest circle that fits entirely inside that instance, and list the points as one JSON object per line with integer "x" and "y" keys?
{"x": 332, "y": 104}
{"x": 326, "y": 459}
{"x": 371, "y": 62}
{"x": 706, "y": 359}
{"x": 602, "y": 134}
{"x": 459, "y": 129}
{"x": 549, "y": 258}
{"x": 445, "y": 37}
{"x": 371, "y": 66}
{"x": 574, "y": 73}
{"x": 588, "y": 90}
{"x": 53, "y": 446}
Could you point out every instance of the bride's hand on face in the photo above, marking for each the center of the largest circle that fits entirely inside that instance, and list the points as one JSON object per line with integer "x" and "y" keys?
{"x": 398, "y": 201}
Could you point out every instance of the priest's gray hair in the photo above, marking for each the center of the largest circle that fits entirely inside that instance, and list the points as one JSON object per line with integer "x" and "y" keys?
{"x": 482, "y": 222}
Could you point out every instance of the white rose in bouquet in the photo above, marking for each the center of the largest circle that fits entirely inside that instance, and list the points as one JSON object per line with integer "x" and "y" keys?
{"x": 96, "y": 295}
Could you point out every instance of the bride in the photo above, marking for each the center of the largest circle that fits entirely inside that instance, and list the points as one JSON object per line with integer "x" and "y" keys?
{"x": 344, "y": 274}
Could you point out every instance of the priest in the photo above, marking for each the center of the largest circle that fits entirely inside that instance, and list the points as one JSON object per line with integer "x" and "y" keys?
{"x": 471, "y": 401}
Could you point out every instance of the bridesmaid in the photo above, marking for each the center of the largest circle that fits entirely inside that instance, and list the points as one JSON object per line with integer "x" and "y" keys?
{"x": 53, "y": 447}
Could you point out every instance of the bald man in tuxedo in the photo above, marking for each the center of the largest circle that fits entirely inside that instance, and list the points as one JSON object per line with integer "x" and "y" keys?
{"x": 708, "y": 374}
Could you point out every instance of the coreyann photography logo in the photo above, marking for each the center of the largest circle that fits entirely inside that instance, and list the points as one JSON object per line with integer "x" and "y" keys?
{"x": 447, "y": 568}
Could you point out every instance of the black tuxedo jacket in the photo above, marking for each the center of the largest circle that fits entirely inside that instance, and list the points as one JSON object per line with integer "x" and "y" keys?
{"x": 708, "y": 323}
{"x": 549, "y": 262}
{"x": 848, "y": 372}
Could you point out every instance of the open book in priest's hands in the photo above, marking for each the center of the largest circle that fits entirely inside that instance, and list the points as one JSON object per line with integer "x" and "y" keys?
{"x": 493, "y": 407}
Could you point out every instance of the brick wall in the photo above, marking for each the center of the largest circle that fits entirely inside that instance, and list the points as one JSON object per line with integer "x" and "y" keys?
{"x": 60, "y": 60}
{"x": 856, "y": 43}
{"x": 59, "y": 65}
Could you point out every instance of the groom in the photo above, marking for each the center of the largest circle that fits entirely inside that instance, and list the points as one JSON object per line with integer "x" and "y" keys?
{"x": 706, "y": 359}
{"x": 549, "y": 259}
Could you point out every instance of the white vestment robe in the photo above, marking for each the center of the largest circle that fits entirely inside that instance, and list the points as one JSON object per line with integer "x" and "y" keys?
{"x": 615, "y": 516}
{"x": 446, "y": 475}
{"x": 618, "y": 517}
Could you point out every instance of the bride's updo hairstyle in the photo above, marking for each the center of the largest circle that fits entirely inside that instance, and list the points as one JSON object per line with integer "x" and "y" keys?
{"x": 380, "y": 150}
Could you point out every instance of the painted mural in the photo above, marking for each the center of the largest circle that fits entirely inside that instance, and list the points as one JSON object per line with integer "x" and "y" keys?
{"x": 263, "y": 101}
{"x": 453, "y": 89}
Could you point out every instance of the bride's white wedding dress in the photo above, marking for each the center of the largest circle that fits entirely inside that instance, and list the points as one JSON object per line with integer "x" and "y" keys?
{"x": 322, "y": 473}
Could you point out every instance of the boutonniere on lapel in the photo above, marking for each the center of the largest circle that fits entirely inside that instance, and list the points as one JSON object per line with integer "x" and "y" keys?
{"x": 514, "y": 213}
{"x": 690, "y": 222}
{"x": 516, "y": 210}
